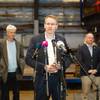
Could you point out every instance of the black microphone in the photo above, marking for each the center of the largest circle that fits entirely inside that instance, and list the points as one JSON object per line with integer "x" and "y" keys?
{"x": 61, "y": 46}
{"x": 54, "y": 42}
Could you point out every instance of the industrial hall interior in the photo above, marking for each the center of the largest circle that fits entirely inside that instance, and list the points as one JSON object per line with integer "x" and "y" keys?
{"x": 58, "y": 37}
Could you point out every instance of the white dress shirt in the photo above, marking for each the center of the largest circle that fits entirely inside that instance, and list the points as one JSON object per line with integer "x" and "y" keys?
{"x": 50, "y": 50}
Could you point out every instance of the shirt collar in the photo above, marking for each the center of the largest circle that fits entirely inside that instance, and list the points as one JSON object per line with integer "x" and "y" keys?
{"x": 50, "y": 38}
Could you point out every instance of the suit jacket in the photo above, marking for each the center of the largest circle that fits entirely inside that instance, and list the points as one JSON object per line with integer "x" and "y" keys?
{"x": 40, "y": 62}
{"x": 4, "y": 60}
{"x": 87, "y": 61}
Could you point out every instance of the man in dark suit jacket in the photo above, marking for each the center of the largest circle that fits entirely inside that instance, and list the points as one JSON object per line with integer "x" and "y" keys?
{"x": 47, "y": 63}
{"x": 89, "y": 58}
{"x": 0, "y": 71}
{"x": 11, "y": 63}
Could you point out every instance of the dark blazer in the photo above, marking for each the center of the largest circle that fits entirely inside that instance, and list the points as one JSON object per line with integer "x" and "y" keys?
{"x": 4, "y": 59}
{"x": 87, "y": 61}
{"x": 39, "y": 65}
{"x": 32, "y": 47}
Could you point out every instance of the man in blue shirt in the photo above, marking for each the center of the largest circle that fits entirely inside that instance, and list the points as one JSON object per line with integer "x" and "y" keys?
{"x": 12, "y": 63}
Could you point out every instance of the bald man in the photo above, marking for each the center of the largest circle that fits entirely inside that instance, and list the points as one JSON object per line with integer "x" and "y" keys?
{"x": 89, "y": 58}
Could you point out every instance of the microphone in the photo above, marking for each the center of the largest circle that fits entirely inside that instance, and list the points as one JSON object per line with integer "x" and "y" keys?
{"x": 54, "y": 42}
{"x": 61, "y": 46}
{"x": 44, "y": 44}
{"x": 37, "y": 46}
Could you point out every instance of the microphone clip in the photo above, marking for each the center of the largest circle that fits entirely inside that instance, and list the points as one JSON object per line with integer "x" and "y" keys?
{"x": 35, "y": 54}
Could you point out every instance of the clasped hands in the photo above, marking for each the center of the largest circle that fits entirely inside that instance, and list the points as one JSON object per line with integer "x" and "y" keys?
{"x": 92, "y": 71}
{"x": 52, "y": 68}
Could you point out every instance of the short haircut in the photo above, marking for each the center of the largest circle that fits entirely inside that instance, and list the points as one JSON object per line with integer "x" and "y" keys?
{"x": 52, "y": 16}
{"x": 89, "y": 33}
{"x": 11, "y": 28}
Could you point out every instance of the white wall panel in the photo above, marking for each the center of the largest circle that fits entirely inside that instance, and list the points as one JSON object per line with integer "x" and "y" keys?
{"x": 74, "y": 40}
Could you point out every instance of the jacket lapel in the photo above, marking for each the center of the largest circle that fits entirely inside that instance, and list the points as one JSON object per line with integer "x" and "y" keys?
{"x": 5, "y": 51}
{"x": 57, "y": 50}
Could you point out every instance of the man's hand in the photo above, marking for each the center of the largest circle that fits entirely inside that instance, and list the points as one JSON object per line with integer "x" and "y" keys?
{"x": 92, "y": 71}
{"x": 53, "y": 68}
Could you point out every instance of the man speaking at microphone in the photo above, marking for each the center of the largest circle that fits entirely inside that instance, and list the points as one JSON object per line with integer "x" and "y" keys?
{"x": 48, "y": 61}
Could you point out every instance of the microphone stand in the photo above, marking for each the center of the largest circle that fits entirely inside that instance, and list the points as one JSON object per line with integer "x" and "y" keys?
{"x": 62, "y": 78}
{"x": 35, "y": 55}
{"x": 97, "y": 87}
{"x": 47, "y": 85}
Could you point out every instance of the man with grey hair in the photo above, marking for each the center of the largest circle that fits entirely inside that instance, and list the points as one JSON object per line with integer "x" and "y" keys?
{"x": 12, "y": 63}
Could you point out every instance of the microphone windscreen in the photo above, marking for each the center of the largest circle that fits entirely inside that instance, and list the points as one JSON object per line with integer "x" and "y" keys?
{"x": 60, "y": 43}
{"x": 38, "y": 46}
{"x": 44, "y": 44}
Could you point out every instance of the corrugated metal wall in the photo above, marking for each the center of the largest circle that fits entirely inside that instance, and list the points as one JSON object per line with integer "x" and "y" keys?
{"x": 21, "y": 14}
